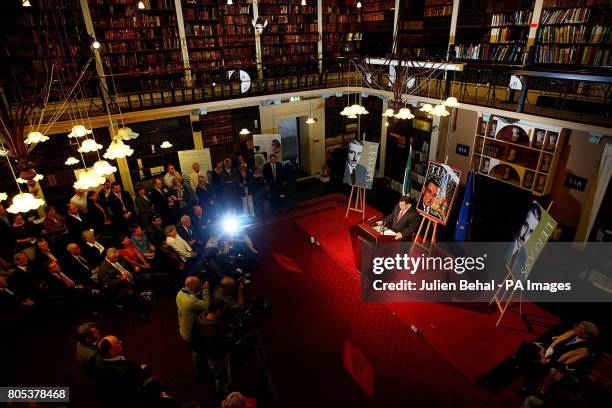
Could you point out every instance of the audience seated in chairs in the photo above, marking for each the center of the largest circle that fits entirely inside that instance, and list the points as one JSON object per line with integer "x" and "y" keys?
{"x": 155, "y": 231}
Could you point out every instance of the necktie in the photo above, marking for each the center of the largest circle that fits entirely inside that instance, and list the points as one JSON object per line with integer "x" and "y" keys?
{"x": 123, "y": 271}
{"x": 81, "y": 260}
{"x": 67, "y": 281}
{"x": 99, "y": 246}
{"x": 400, "y": 215}
{"x": 274, "y": 172}
{"x": 353, "y": 177}
{"x": 7, "y": 290}
{"x": 121, "y": 201}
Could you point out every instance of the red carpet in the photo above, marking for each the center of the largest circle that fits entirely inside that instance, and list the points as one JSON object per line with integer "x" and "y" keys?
{"x": 465, "y": 334}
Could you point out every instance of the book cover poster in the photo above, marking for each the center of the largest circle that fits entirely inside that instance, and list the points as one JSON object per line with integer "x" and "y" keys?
{"x": 438, "y": 193}
{"x": 534, "y": 233}
{"x": 360, "y": 164}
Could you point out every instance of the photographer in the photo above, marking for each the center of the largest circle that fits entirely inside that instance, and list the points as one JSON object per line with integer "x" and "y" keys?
{"x": 191, "y": 301}
{"x": 232, "y": 296}
{"x": 214, "y": 339}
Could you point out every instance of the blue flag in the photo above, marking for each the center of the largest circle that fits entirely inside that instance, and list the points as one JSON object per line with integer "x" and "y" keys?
{"x": 464, "y": 223}
{"x": 407, "y": 185}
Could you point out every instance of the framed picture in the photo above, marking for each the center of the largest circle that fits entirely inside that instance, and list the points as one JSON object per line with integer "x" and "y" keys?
{"x": 360, "y": 163}
{"x": 438, "y": 193}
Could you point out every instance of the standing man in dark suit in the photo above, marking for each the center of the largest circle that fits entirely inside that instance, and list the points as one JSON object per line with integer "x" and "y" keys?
{"x": 229, "y": 177}
{"x": 159, "y": 200}
{"x": 75, "y": 223}
{"x": 122, "y": 206}
{"x": 404, "y": 219}
{"x": 274, "y": 177}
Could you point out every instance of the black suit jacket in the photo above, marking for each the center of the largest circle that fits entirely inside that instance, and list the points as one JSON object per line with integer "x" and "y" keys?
{"x": 25, "y": 284}
{"x": 184, "y": 233}
{"x": 407, "y": 225}
{"x": 93, "y": 256}
{"x": 79, "y": 272}
{"x": 269, "y": 176}
{"x": 76, "y": 227}
{"x": 117, "y": 382}
{"x": 115, "y": 205}
{"x": 159, "y": 201}
{"x": 156, "y": 235}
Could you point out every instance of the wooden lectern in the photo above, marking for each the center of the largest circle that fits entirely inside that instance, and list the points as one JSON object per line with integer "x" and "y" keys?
{"x": 368, "y": 239}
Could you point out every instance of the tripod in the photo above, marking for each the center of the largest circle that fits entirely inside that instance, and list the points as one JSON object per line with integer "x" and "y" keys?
{"x": 253, "y": 339}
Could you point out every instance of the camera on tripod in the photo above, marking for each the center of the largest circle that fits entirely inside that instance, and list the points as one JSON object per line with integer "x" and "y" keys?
{"x": 246, "y": 322}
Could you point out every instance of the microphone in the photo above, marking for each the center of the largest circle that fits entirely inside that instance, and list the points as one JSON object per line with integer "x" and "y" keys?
{"x": 371, "y": 218}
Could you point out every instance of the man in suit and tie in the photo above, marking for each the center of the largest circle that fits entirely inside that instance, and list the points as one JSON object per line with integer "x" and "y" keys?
{"x": 430, "y": 193}
{"x": 122, "y": 206}
{"x": 75, "y": 223}
{"x": 404, "y": 219}
{"x": 24, "y": 280}
{"x": 274, "y": 178}
{"x": 77, "y": 267}
{"x": 159, "y": 200}
{"x": 354, "y": 173}
{"x": 185, "y": 231}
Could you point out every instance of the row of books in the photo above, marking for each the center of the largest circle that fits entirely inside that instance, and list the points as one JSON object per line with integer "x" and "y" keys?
{"x": 575, "y": 15}
{"x": 295, "y": 49}
{"x": 135, "y": 46}
{"x": 272, "y": 10}
{"x": 343, "y": 18}
{"x": 238, "y": 30}
{"x": 242, "y": 19}
{"x": 201, "y": 30}
{"x": 103, "y": 23}
{"x": 413, "y": 25}
{"x": 336, "y": 28}
{"x": 341, "y": 47}
{"x": 438, "y": 2}
{"x": 293, "y": 38}
{"x": 211, "y": 13}
{"x": 508, "y": 54}
{"x": 294, "y": 58}
{"x": 309, "y": 18}
{"x": 239, "y": 53}
{"x": 374, "y": 16}
{"x": 336, "y": 37}
{"x": 438, "y": 11}
{"x": 292, "y": 28}
{"x": 378, "y": 6}
{"x": 201, "y": 42}
{"x": 237, "y": 42}
{"x": 553, "y": 54}
{"x": 573, "y": 3}
{"x": 238, "y": 9}
{"x": 507, "y": 34}
{"x": 574, "y": 34}
{"x": 146, "y": 68}
{"x": 205, "y": 56}
{"x": 141, "y": 34}
{"x": 131, "y": 60}
{"x": 519, "y": 17}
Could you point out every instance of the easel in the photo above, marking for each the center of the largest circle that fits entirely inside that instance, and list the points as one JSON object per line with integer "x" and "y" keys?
{"x": 359, "y": 201}
{"x": 432, "y": 238}
{"x": 499, "y": 300}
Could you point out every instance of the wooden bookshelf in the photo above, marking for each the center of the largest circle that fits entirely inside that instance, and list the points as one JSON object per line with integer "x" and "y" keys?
{"x": 342, "y": 31}
{"x": 339, "y": 130}
{"x": 140, "y": 47}
{"x": 493, "y": 32}
{"x": 377, "y": 22}
{"x": 399, "y": 133}
{"x": 410, "y": 29}
{"x": 574, "y": 32}
{"x": 436, "y": 27}
{"x": 522, "y": 154}
{"x": 289, "y": 44}
{"x": 35, "y": 39}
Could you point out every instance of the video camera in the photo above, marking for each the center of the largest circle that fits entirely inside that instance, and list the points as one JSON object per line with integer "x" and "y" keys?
{"x": 247, "y": 321}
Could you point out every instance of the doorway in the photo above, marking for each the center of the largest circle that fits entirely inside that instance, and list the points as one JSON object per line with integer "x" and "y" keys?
{"x": 295, "y": 143}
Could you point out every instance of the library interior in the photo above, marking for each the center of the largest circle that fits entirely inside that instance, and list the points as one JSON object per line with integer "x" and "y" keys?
{"x": 306, "y": 203}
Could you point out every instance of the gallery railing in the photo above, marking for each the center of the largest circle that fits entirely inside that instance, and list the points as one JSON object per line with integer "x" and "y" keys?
{"x": 574, "y": 97}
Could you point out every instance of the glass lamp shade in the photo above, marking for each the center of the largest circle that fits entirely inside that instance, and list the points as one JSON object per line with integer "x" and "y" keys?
{"x": 24, "y": 202}
{"x": 359, "y": 110}
{"x": 79, "y": 131}
{"x": 427, "y": 108}
{"x": 244, "y": 131}
{"x": 440, "y": 110}
{"x": 141, "y": 5}
{"x": 346, "y": 111}
{"x": 89, "y": 145}
{"x": 71, "y": 161}
{"x": 118, "y": 149}
{"x": 103, "y": 168}
{"x": 311, "y": 121}
{"x": 88, "y": 179}
{"x": 35, "y": 137}
{"x": 404, "y": 113}
{"x": 165, "y": 144}
{"x": 125, "y": 133}
{"x": 388, "y": 113}
{"x": 3, "y": 196}
{"x": 36, "y": 178}
{"x": 451, "y": 102}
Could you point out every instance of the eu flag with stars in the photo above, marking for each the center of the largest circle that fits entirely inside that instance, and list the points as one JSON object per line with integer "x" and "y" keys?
{"x": 464, "y": 223}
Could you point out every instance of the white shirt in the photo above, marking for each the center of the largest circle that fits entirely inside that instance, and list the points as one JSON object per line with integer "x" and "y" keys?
{"x": 194, "y": 179}
{"x": 180, "y": 246}
{"x": 96, "y": 245}
{"x": 169, "y": 179}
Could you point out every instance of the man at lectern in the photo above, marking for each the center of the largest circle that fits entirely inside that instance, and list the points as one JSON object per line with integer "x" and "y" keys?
{"x": 404, "y": 220}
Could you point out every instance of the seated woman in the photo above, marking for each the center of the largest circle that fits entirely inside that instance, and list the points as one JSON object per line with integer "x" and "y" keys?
{"x": 131, "y": 256}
